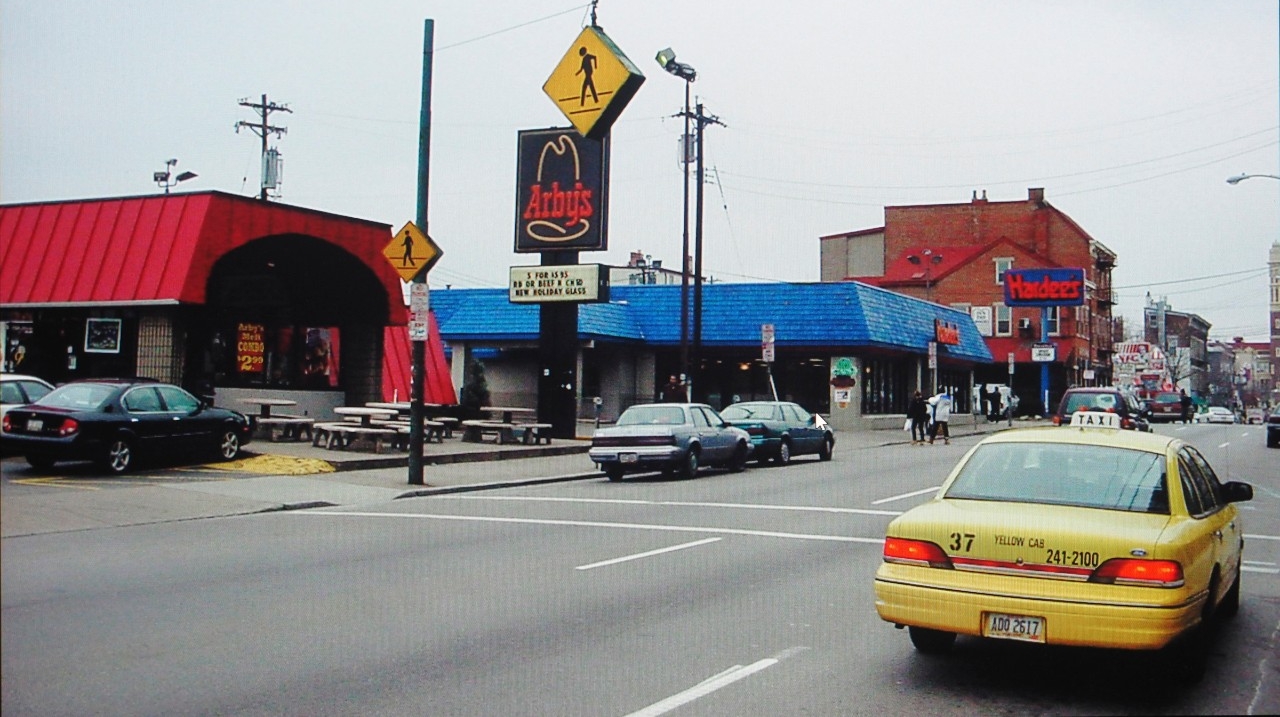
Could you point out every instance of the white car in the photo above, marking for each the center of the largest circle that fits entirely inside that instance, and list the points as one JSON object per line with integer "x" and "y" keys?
{"x": 1216, "y": 414}
{"x": 19, "y": 390}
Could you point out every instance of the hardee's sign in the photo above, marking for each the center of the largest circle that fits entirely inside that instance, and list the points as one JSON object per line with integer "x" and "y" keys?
{"x": 945, "y": 332}
{"x": 562, "y": 184}
{"x": 1044, "y": 287}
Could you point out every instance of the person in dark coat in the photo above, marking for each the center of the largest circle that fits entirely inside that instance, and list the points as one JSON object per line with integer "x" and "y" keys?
{"x": 673, "y": 391}
{"x": 918, "y": 412}
{"x": 1185, "y": 400}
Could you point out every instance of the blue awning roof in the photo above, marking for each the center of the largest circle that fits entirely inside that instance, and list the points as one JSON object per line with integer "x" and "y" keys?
{"x": 827, "y": 315}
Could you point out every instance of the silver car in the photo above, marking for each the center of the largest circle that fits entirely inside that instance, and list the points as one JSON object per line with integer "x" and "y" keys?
{"x": 672, "y": 437}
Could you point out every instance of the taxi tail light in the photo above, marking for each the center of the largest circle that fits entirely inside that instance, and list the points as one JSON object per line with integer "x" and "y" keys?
{"x": 915, "y": 552}
{"x": 69, "y": 427}
{"x": 1132, "y": 571}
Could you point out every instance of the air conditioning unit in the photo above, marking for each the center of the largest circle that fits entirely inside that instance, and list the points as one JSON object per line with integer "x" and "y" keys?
{"x": 1024, "y": 323}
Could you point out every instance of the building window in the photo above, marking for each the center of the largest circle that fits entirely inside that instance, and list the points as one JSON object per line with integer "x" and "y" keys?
{"x": 1003, "y": 264}
{"x": 1004, "y": 319}
{"x": 1055, "y": 320}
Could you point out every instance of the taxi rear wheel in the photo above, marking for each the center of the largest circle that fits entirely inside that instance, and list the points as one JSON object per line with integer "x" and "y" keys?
{"x": 931, "y": 642}
{"x": 1230, "y": 604}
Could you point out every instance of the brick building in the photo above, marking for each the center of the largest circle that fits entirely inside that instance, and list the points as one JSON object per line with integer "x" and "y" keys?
{"x": 1185, "y": 340}
{"x": 1273, "y": 261}
{"x": 956, "y": 254}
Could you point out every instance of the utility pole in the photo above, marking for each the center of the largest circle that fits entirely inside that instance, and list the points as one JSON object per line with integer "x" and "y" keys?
{"x": 262, "y": 129}
{"x": 701, "y": 121}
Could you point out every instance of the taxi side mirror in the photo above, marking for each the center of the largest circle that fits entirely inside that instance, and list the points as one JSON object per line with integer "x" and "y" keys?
{"x": 1237, "y": 492}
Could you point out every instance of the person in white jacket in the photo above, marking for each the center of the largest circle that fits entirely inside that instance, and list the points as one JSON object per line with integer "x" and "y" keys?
{"x": 940, "y": 410}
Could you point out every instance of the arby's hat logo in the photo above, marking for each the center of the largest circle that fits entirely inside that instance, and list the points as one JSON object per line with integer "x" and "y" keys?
{"x": 561, "y": 191}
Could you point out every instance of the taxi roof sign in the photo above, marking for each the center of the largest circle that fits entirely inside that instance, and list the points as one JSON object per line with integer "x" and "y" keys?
{"x": 411, "y": 252}
{"x": 1095, "y": 419}
{"x": 593, "y": 83}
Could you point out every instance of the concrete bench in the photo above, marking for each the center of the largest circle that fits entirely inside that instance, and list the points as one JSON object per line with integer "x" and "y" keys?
{"x": 534, "y": 433}
{"x": 431, "y": 430}
{"x": 343, "y": 434}
{"x": 450, "y": 424}
{"x": 290, "y": 427}
{"x": 474, "y": 431}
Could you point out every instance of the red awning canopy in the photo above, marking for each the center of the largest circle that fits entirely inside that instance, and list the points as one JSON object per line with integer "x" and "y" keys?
{"x": 159, "y": 249}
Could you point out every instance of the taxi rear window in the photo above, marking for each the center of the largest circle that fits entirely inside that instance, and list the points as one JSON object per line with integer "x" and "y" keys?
{"x": 1065, "y": 474}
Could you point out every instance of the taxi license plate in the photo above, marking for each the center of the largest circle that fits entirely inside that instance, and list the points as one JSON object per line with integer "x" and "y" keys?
{"x": 628, "y": 458}
{"x": 35, "y": 425}
{"x": 1013, "y": 627}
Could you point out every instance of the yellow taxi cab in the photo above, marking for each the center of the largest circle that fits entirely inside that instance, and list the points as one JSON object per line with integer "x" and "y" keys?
{"x": 1091, "y": 536}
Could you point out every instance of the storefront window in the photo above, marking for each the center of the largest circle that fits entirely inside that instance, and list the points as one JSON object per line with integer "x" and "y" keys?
{"x": 259, "y": 354}
{"x": 884, "y": 387}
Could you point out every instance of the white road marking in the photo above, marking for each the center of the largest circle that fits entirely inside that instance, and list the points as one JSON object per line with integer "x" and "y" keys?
{"x": 1224, "y": 445}
{"x": 724, "y": 679}
{"x": 598, "y": 524}
{"x": 1267, "y": 571}
{"x": 647, "y": 554}
{"x": 906, "y": 495}
{"x": 1251, "y": 536}
{"x": 683, "y": 504}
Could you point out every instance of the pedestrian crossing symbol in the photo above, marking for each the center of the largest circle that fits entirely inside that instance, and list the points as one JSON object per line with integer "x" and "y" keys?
{"x": 593, "y": 83}
{"x": 411, "y": 252}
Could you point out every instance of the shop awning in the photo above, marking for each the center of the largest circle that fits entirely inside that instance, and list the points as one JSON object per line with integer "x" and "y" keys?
{"x": 397, "y": 367}
{"x": 159, "y": 249}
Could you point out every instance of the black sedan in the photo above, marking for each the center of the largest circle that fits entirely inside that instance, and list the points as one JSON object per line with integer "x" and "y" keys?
{"x": 113, "y": 421}
{"x": 780, "y": 430}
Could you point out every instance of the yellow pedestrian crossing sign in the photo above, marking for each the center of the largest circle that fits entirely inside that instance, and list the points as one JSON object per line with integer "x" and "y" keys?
{"x": 411, "y": 252}
{"x": 593, "y": 83}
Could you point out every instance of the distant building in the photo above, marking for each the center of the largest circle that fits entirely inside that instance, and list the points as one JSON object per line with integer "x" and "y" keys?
{"x": 1274, "y": 357}
{"x": 643, "y": 269}
{"x": 1185, "y": 340}
{"x": 956, "y": 255}
{"x": 1251, "y": 370}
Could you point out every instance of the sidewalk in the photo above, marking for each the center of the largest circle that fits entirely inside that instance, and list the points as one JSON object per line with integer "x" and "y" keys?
{"x": 294, "y": 476}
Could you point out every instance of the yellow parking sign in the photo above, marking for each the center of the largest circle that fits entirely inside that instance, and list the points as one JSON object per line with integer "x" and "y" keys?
{"x": 593, "y": 83}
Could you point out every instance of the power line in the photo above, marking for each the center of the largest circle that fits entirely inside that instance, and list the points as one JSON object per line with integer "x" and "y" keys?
{"x": 1255, "y": 270}
{"x": 513, "y": 27}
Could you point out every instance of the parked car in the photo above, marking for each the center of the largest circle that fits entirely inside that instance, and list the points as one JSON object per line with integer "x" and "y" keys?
{"x": 115, "y": 421}
{"x": 1091, "y": 537}
{"x": 1255, "y": 415}
{"x": 1273, "y": 429}
{"x": 1216, "y": 414}
{"x": 673, "y": 437}
{"x": 781, "y": 430}
{"x": 1133, "y": 416}
{"x": 19, "y": 390}
{"x": 1165, "y": 406}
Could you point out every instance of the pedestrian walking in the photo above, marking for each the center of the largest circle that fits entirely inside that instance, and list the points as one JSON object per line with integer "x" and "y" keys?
{"x": 673, "y": 391}
{"x": 941, "y": 410}
{"x": 918, "y": 412}
{"x": 1185, "y": 400}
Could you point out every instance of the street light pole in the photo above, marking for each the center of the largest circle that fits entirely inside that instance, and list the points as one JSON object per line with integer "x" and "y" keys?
{"x": 1242, "y": 176}
{"x": 667, "y": 61}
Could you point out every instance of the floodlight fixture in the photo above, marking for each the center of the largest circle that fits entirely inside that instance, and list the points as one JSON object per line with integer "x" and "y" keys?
{"x": 1243, "y": 176}
{"x": 667, "y": 61}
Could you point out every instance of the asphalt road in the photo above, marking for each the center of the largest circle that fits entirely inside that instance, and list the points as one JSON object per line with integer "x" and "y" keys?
{"x": 741, "y": 594}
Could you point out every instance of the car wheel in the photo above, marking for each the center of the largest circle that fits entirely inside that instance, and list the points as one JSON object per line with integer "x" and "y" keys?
{"x": 828, "y": 444}
{"x": 229, "y": 445}
{"x": 689, "y": 467}
{"x": 119, "y": 455}
{"x": 614, "y": 472}
{"x": 738, "y": 463}
{"x": 931, "y": 642}
{"x": 40, "y": 463}
{"x": 784, "y": 453}
{"x": 1230, "y": 605}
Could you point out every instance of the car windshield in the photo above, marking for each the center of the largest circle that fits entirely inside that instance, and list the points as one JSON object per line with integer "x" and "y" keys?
{"x": 1065, "y": 474}
{"x": 652, "y": 415}
{"x": 750, "y": 411}
{"x": 1090, "y": 401}
{"x": 80, "y": 396}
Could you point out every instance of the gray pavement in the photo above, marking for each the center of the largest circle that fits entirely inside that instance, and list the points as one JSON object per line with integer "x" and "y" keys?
{"x": 290, "y": 476}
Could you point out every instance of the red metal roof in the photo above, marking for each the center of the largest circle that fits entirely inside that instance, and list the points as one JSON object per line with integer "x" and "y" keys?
{"x": 160, "y": 248}
{"x": 397, "y": 366}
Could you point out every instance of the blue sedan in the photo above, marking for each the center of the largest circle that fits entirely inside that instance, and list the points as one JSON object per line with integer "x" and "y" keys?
{"x": 781, "y": 430}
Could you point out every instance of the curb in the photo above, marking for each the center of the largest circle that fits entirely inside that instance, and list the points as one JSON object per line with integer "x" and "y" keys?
{"x": 402, "y": 461}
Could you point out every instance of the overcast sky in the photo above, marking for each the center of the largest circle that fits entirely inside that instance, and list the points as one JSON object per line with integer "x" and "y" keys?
{"x": 1129, "y": 113}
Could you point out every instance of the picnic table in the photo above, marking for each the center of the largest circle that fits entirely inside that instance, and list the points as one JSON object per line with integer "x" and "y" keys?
{"x": 290, "y": 426}
{"x": 343, "y": 434}
{"x": 507, "y": 413}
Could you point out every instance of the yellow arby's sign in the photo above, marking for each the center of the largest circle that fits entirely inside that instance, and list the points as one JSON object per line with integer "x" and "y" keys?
{"x": 593, "y": 83}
